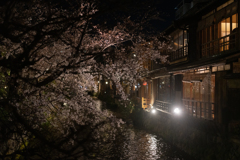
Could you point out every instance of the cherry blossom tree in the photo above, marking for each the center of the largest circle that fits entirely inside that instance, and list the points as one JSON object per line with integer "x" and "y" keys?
{"x": 49, "y": 55}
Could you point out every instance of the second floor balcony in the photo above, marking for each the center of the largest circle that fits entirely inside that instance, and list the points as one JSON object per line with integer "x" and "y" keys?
{"x": 179, "y": 53}
{"x": 223, "y": 45}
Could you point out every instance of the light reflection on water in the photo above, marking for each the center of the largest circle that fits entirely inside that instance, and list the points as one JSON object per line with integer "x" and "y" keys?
{"x": 138, "y": 145}
{"x": 152, "y": 149}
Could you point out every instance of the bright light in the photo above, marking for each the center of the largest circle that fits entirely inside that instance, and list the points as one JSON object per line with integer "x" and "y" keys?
{"x": 153, "y": 111}
{"x": 177, "y": 111}
{"x": 98, "y": 81}
{"x": 106, "y": 82}
{"x": 134, "y": 55}
{"x": 5, "y": 87}
{"x": 135, "y": 86}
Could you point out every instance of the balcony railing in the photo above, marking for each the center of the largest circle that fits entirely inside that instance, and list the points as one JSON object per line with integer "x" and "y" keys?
{"x": 219, "y": 46}
{"x": 180, "y": 53}
{"x": 164, "y": 106}
{"x": 199, "y": 109}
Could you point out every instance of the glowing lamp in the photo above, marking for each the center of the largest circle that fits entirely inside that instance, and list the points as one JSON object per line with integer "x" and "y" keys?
{"x": 177, "y": 111}
{"x": 144, "y": 83}
{"x": 153, "y": 111}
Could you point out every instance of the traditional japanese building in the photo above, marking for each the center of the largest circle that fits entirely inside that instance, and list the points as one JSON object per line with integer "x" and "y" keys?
{"x": 203, "y": 75}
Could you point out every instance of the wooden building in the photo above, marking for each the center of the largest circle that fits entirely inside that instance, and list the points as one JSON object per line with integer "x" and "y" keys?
{"x": 203, "y": 76}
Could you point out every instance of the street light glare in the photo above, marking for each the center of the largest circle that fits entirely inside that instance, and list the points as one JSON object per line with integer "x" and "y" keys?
{"x": 177, "y": 111}
{"x": 153, "y": 111}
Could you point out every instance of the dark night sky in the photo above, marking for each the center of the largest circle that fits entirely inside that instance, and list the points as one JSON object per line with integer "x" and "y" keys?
{"x": 169, "y": 12}
{"x": 136, "y": 10}
{"x": 165, "y": 8}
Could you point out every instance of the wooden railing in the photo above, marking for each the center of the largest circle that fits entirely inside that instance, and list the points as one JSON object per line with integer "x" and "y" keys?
{"x": 164, "y": 106}
{"x": 199, "y": 109}
{"x": 145, "y": 103}
{"x": 218, "y": 46}
{"x": 180, "y": 53}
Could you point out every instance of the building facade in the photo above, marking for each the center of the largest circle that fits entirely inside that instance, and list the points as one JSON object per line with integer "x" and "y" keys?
{"x": 203, "y": 76}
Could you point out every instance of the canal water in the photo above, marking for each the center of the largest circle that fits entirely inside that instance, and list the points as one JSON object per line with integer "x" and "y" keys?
{"x": 136, "y": 144}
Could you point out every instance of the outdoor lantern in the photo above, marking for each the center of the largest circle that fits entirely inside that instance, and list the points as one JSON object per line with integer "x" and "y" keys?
{"x": 106, "y": 82}
{"x": 153, "y": 111}
{"x": 177, "y": 110}
{"x": 144, "y": 83}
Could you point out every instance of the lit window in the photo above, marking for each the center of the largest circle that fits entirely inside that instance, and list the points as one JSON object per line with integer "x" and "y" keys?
{"x": 220, "y": 68}
{"x": 227, "y": 67}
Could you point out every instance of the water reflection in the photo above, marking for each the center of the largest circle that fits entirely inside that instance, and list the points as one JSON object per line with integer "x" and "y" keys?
{"x": 139, "y": 145}
{"x": 152, "y": 149}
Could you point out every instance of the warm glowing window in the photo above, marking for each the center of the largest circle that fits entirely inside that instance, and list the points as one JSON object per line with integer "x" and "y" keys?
{"x": 218, "y": 34}
{"x": 185, "y": 38}
{"x": 227, "y": 27}
{"x": 175, "y": 42}
{"x": 234, "y": 21}
{"x": 180, "y": 40}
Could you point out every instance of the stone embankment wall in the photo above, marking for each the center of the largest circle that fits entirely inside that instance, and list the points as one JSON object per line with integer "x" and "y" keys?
{"x": 200, "y": 139}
